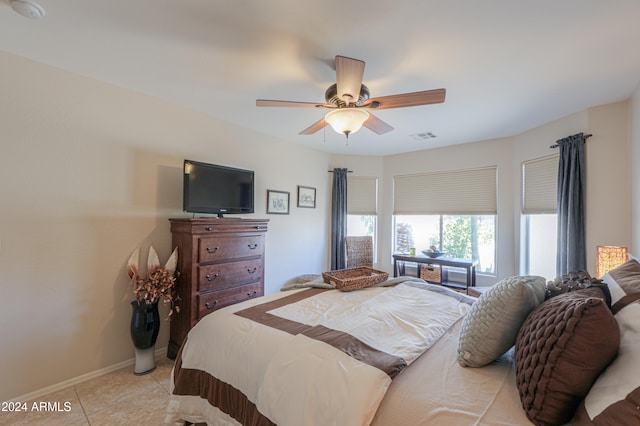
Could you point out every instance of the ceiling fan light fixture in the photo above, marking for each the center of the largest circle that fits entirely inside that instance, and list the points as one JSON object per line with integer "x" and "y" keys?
{"x": 346, "y": 120}
{"x": 27, "y": 8}
{"x": 348, "y": 97}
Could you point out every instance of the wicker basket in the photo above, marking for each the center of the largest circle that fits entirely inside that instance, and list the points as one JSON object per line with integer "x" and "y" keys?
{"x": 431, "y": 273}
{"x": 354, "y": 278}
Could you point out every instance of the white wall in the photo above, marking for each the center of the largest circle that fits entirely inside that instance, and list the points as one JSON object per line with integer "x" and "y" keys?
{"x": 490, "y": 153}
{"x": 608, "y": 180}
{"x": 634, "y": 158}
{"x": 88, "y": 172}
{"x": 367, "y": 166}
{"x": 536, "y": 144}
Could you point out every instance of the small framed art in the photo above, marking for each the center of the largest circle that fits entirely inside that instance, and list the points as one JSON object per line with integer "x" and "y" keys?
{"x": 306, "y": 197}
{"x": 277, "y": 202}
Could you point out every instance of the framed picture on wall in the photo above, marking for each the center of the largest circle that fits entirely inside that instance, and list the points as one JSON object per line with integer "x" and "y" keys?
{"x": 306, "y": 197}
{"x": 277, "y": 202}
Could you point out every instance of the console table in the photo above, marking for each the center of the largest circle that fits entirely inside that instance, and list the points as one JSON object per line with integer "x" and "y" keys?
{"x": 444, "y": 263}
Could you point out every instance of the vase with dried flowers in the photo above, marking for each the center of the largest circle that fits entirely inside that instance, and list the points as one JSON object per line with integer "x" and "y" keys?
{"x": 158, "y": 284}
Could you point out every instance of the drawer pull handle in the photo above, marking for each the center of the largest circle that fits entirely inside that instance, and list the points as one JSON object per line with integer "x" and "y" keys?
{"x": 209, "y": 228}
{"x": 252, "y": 246}
{"x": 211, "y": 251}
{"x": 251, "y": 271}
{"x": 249, "y": 295}
{"x": 210, "y": 306}
{"x": 260, "y": 227}
{"x": 210, "y": 278}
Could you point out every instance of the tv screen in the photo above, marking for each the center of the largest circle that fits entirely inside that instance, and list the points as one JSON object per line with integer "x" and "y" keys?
{"x": 211, "y": 188}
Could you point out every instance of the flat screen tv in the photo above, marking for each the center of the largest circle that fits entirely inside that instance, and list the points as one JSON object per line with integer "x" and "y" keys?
{"x": 211, "y": 188}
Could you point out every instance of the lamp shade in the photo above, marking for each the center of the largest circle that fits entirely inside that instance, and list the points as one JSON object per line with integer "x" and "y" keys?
{"x": 608, "y": 258}
{"x": 346, "y": 120}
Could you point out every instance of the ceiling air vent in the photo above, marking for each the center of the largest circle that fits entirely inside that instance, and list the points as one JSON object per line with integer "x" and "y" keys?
{"x": 423, "y": 136}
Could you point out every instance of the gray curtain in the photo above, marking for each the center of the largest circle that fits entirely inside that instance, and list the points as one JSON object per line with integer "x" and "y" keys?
{"x": 571, "y": 218}
{"x": 339, "y": 219}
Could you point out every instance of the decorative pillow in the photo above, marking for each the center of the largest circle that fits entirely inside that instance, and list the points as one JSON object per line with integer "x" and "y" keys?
{"x": 615, "y": 396}
{"x": 491, "y": 326}
{"x": 568, "y": 282}
{"x": 574, "y": 281}
{"x": 561, "y": 349}
{"x": 304, "y": 281}
{"x": 623, "y": 280}
{"x": 301, "y": 279}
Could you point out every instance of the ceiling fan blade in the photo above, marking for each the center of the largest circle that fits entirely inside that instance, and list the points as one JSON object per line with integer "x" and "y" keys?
{"x": 376, "y": 125}
{"x": 274, "y": 103}
{"x": 314, "y": 127}
{"x": 407, "y": 99}
{"x": 349, "y": 74}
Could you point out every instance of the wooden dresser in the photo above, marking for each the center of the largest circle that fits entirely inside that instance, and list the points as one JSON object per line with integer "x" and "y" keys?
{"x": 220, "y": 262}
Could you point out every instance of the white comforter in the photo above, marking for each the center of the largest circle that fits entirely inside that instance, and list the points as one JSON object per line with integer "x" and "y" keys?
{"x": 333, "y": 372}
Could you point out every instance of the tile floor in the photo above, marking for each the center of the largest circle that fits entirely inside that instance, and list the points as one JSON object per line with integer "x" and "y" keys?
{"x": 117, "y": 398}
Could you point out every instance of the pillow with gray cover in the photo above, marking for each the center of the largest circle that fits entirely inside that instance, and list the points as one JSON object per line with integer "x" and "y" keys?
{"x": 490, "y": 327}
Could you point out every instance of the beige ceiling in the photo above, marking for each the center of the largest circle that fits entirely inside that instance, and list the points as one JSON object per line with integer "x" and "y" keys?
{"x": 508, "y": 65}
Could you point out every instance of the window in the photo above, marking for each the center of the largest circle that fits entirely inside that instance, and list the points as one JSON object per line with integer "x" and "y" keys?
{"x": 362, "y": 207}
{"x": 539, "y": 217}
{"x": 540, "y": 248}
{"x": 459, "y": 236}
{"x": 361, "y": 225}
{"x": 452, "y": 210}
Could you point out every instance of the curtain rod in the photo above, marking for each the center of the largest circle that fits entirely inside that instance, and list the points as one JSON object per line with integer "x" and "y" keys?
{"x": 584, "y": 139}
{"x": 348, "y": 171}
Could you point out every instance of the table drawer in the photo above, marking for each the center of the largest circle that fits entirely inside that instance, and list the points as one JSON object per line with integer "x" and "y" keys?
{"x": 210, "y": 302}
{"x": 229, "y": 247}
{"x": 226, "y": 275}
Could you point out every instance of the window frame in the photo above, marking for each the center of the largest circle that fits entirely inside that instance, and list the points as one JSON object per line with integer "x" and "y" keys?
{"x": 538, "y": 197}
{"x": 362, "y": 200}
{"x": 441, "y": 229}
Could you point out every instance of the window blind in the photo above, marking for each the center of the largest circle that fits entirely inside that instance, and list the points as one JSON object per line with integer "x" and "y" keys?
{"x": 362, "y": 195}
{"x": 462, "y": 192}
{"x": 540, "y": 185}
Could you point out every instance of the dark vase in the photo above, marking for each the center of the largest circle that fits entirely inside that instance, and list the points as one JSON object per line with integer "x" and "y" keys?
{"x": 145, "y": 324}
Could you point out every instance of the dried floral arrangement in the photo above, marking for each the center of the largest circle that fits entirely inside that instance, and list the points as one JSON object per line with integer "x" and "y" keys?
{"x": 160, "y": 281}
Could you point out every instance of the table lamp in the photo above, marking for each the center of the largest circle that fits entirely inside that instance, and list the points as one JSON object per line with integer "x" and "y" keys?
{"x": 608, "y": 258}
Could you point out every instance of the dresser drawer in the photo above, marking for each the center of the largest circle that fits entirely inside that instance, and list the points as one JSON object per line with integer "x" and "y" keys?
{"x": 231, "y": 274}
{"x": 210, "y": 302}
{"x": 218, "y": 248}
{"x": 224, "y": 227}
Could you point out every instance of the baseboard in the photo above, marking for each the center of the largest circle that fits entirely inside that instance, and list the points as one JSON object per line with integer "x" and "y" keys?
{"x": 158, "y": 353}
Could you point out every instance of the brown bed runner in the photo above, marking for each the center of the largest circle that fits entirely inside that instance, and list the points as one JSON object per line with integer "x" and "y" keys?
{"x": 350, "y": 345}
{"x": 226, "y": 398}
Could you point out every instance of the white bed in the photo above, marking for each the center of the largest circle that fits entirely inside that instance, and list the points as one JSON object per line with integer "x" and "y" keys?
{"x": 290, "y": 359}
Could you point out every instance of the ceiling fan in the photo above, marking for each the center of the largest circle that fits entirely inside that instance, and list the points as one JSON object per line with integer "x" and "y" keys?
{"x": 348, "y": 99}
